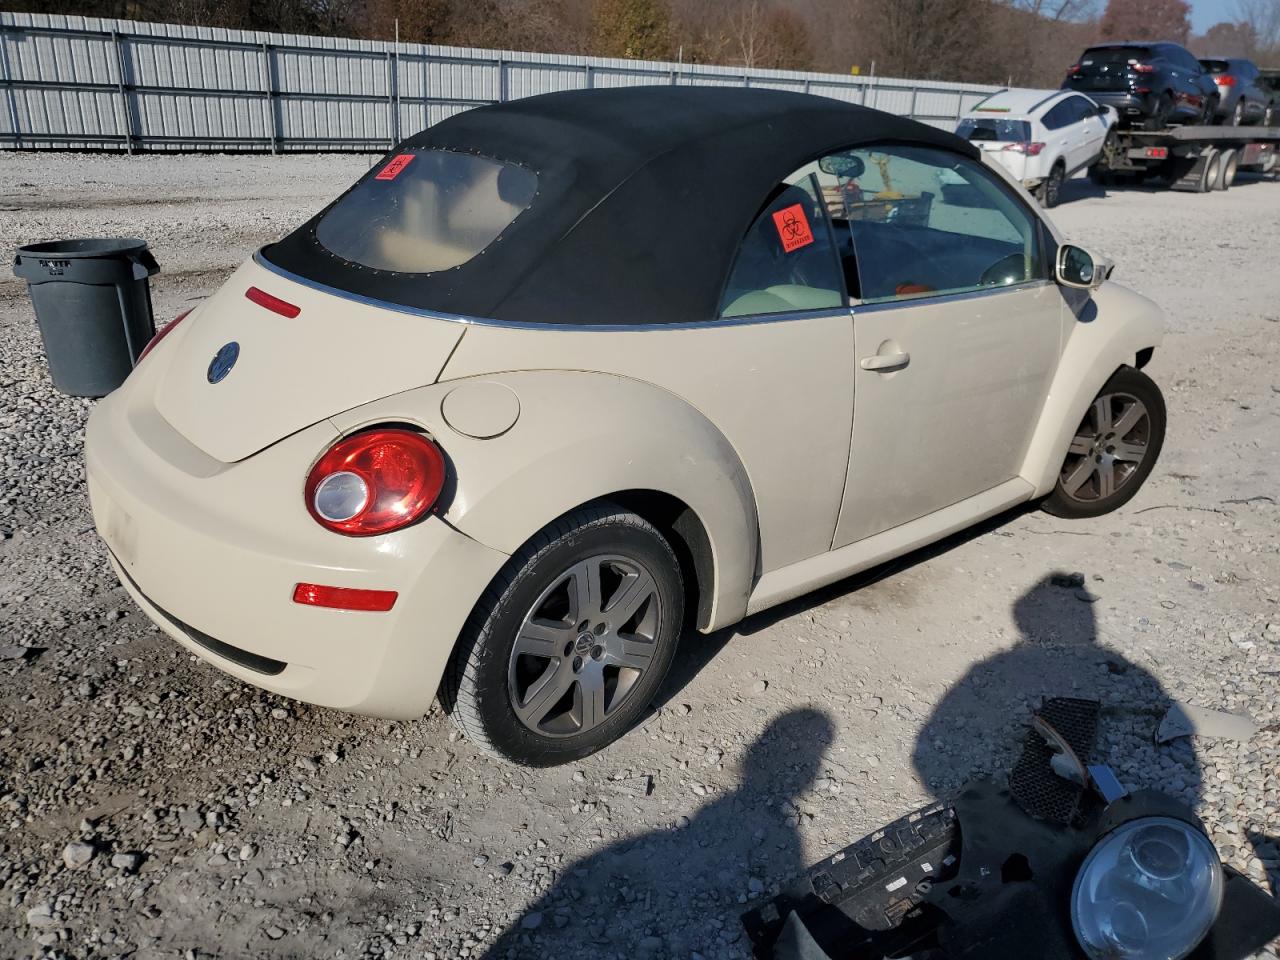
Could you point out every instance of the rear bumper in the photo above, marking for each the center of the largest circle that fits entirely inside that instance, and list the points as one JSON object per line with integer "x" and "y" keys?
{"x": 211, "y": 552}
{"x": 1126, "y": 104}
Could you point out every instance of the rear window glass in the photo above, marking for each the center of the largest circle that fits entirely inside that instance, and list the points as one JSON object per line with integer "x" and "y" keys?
{"x": 1112, "y": 56}
{"x": 426, "y": 210}
{"x": 1216, "y": 66}
{"x": 992, "y": 128}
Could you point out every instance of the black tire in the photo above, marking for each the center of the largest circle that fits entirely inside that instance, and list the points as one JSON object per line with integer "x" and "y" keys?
{"x": 475, "y": 690}
{"x": 1128, "y": 383}
{"x": 1051, "y": 190}
{"x": 1237, "y": 118}
{"x": 1159, "y": 118}
{"x": 1210, "y": 114}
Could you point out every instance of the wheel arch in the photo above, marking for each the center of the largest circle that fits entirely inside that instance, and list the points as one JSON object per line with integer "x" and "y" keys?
{"x": 1110, "y": 328}
{"x": 581, "y": 438}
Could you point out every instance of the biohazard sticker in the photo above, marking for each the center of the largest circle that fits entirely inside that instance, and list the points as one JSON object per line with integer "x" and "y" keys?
{"x": 793, "y": 228}
{"x": 394, "y": 166}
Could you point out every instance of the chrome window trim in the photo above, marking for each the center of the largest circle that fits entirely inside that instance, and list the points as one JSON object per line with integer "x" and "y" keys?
{"x": 749, "y": 320}
{"x": 859, "y": 308}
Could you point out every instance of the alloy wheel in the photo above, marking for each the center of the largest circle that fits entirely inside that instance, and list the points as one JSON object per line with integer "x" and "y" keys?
{"x": 1108, "y": 448}
{"x": 1237, "y": 115}
{"x": 584, "y": 645}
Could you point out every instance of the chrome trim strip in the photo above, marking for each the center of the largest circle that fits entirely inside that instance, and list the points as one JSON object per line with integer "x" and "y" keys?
{"x": 859, "y": 308}
{"x": 266, "y": 264}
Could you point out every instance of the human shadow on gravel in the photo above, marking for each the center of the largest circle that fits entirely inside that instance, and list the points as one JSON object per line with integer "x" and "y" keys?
{"x": 671, "y": 892}
{"x": 979, "y": 726}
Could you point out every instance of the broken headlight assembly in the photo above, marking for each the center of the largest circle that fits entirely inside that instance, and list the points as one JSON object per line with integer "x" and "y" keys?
{"x": 1148, "y": 890}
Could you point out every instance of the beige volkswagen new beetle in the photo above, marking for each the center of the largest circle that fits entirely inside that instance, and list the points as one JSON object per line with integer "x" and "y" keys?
{"x": 560, "y": 376}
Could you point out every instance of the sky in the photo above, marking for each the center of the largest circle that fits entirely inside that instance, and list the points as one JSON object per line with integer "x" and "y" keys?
{"x": 1205, "y": 13}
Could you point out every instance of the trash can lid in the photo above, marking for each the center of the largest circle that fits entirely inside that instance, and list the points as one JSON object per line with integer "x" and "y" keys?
{"x": 85, "y": 248}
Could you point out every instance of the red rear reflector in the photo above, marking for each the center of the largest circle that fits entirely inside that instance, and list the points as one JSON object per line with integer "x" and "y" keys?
{"x": 1158, "y": 153}
{"x": 1144, "y": 68}
{"x": 344, "y": 598}
{"x": 274, "y": 304}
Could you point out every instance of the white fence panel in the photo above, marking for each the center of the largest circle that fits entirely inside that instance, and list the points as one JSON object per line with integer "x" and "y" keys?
{"x": 81, "y": 82}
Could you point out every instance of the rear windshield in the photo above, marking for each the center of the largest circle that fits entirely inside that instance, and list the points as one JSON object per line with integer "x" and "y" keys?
{"x": 1098, "y": 57}
{"x": 426, "y": 210}
{"x": 1215, "y": 66}
{"x": 993, "y": 128}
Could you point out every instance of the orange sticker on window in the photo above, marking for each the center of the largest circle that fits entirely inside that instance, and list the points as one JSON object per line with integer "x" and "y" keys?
{"x": 793, "y": 228}
{"x": 393, "y": 168}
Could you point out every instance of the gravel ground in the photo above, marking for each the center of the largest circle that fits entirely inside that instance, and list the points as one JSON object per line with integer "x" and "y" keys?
{"x": 154, "y": 808}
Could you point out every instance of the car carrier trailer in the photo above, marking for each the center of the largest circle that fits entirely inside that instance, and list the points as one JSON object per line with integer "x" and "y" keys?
{"x": 1195, "y": 159}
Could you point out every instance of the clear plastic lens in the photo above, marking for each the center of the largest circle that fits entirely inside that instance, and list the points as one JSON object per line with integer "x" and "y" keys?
{"x": 1149, "y": 890}
{"x": 340, "y": 496}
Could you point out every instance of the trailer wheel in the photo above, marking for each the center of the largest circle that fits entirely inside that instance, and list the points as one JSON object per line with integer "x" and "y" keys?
{"x": 1228, "y": 164}
{"x": 1209, "y": 171}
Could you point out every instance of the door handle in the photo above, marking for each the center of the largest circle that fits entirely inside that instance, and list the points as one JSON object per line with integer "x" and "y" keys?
{"x": 885, "y": 362}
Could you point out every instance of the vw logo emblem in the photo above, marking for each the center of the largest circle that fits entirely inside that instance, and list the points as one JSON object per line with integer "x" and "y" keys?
{"x": 223, "y": 361}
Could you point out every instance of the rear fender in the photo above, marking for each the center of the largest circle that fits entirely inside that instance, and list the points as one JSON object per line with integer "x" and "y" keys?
{"x": 1105, "y": 331}
{"x": 579, "y": 437}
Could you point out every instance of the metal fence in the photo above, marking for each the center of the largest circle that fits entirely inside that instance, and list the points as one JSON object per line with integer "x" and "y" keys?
{"x": 86, "y": 83}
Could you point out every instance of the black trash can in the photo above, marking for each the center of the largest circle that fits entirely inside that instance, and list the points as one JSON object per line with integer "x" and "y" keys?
{"x": 93, "y": 305}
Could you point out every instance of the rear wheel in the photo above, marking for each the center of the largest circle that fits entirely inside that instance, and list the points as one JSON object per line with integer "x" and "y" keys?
{"x": 1114, "y": 448}
{"x": 1237, "y": 115}
{"x": 1210, "y": 111}
{"x": 1159, "y": 118}
{"x": 568, "y": 646}
{"x": 1269, "y": 115}
{"x": 1051, "y": 189}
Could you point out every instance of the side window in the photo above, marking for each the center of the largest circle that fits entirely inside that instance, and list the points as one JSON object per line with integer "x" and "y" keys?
{"x": 1081, "y": 109}
{"x": 1059, "y": 116}
{"x": 921, "y": 222}
{"x": 788, "y": 260}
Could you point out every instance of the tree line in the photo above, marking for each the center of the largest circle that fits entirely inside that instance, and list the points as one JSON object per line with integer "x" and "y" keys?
{"x": 1023, "y": 42}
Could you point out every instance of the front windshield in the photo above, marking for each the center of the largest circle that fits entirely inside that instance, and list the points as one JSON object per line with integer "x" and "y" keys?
{"x": 426, "y": 210}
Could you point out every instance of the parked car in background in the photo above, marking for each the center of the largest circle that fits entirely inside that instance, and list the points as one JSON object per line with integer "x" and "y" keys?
{"x": 1041, "y": 137}
{"x": 1245, "y": 96}
{"x": 1152, "y": 84}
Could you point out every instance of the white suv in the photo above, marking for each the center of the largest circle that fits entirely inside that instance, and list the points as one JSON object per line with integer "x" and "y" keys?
{"x": 1042, "y": 137}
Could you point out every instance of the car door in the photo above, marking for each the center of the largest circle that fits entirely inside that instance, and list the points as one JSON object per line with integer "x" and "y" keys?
{"x": 1057, "y": 124}
{"x": 956, "y": 332}
{"x": 1088, "y": 132}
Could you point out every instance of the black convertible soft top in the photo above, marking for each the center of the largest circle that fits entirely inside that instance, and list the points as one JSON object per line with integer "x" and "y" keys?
{"x": 644, "y": 195}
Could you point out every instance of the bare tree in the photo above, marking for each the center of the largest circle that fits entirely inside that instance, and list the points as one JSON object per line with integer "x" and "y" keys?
{"x": 1057, "y": 10}
{"x": 1263, "y": 16}
{"x": 1147, "y": 20}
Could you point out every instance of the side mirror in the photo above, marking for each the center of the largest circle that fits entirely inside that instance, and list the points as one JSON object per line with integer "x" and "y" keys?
{"x": 842, "y": 165}
{"x": 1077, "y": 267}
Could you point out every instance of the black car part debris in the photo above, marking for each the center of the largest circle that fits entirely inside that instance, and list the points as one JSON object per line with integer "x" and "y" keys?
{"x": 992, "y": 876}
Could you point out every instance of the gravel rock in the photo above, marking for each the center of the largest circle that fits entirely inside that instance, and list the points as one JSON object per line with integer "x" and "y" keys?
{"x": 77, "y": 854}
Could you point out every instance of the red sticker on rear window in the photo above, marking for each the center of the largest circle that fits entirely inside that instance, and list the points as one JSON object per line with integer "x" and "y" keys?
{"x": 793, "y": 228}
{"x": 394, "y": 166}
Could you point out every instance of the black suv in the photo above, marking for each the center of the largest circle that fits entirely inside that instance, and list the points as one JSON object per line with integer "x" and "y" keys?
{"x": 1154, "y": 84}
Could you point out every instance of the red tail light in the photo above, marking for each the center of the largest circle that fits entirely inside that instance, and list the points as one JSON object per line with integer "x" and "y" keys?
{"x": 1142, "y": 68}
{"x": 1031, "y": 148}
{"x": 375, "y": 482}
{"x": 1156, "y": 153}
{"x": 344, "y": 598}
{"x": 1073, "y": 69}
{"x": 162, "y": 333}
{"x": 1225, "y": 80}
{"x": 274, "y": 304}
